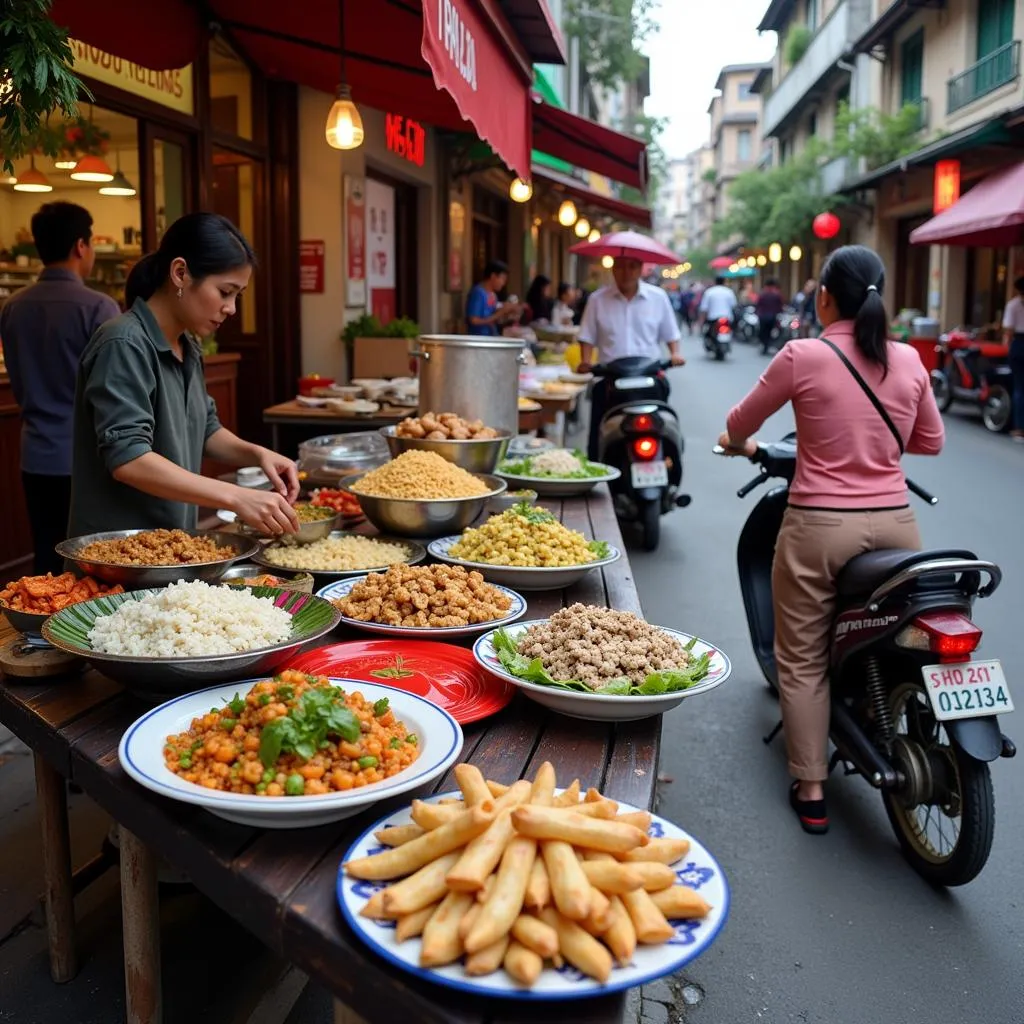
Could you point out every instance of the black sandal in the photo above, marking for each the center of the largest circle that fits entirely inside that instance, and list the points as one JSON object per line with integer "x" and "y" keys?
{"x": 813, "y": 814}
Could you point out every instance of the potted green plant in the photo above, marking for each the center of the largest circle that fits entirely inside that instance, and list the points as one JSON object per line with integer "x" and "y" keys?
{"x": 373, "y": 349}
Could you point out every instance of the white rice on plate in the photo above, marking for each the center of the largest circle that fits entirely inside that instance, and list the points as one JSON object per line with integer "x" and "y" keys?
{"x": 191, "y": 619}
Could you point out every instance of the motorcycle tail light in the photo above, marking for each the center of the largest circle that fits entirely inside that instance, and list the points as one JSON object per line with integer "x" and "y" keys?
{"x": 645, "y": 448}
{"x": 950, "y": 635}
{"x": 642, "y": 423}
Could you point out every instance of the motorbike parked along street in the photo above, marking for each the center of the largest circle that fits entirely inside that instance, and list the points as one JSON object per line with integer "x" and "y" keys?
{"x": 910, "y": 711}
{"x": 640, "y": 436}
{"x": 975, "y": 372}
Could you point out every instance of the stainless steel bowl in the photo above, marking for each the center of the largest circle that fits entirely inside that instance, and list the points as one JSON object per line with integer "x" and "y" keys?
{"x": 415, "y": 554}
{"x": 474, "y": 456}
{"x": 425, "y": 517}
{"x": 138, "y": 577}
{"x": 510, "y": 499}
{"x": 293, "y": 579}
{"x": 308, "y": 532}
{"x": 29, "y": 623}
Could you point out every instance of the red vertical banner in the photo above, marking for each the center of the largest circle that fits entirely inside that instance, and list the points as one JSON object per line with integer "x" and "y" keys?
{"x": 947, "y": 185}
{"x": 355, "y": 248}
{"x": 380, "y": 249}
{"x": 311, "y": 267}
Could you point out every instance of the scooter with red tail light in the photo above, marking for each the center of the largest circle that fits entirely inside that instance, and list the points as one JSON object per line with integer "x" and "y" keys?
{"x": 912, "y": 710}
{"x": 640, "y": 436}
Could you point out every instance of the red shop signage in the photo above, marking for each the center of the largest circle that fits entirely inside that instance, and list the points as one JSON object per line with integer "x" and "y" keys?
{"x": 947, "y": 185}
{"x": 405, "y": 138}
{"x": 311, "y": 267}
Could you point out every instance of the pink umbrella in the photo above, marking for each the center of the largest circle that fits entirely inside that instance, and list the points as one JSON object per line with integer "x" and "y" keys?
{"x": 629, "y": 245}
{"x": 721, "y": 263}
{"x": 991, "y": 214}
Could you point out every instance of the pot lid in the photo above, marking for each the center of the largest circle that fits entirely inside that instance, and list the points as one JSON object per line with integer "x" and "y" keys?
{"x": 471, "y": 341}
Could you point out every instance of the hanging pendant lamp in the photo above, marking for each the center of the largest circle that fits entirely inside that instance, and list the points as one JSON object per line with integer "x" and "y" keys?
{"x": 344, "y": 129}
{"x": 119, "y": 185}
{"x": 32, "y": 180}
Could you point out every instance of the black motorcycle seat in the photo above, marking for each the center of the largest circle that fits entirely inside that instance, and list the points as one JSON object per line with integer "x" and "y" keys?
{"x": 864, "y": 573}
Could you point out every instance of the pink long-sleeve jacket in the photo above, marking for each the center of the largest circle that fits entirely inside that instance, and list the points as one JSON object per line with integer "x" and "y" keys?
{"x": 848, "y": 458}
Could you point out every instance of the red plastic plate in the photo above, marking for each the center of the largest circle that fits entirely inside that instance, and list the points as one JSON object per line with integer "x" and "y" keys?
{"x": 446, "y": 675}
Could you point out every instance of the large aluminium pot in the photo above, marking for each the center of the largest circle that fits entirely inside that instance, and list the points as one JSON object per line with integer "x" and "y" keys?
{"x": 473, "y": 377}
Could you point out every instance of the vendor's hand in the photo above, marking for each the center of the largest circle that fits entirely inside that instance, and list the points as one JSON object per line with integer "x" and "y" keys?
{"x": 584, "y": 368}
{"x": 677, "y": 359}
{"x": 747, "y": 448}
{"x": 281, "y": 473}
{"x": 265, "y": 511}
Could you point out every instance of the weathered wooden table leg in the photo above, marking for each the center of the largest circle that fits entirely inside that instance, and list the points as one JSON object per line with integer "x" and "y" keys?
{"x": 59, "y": 894}
{"x": 343, "y": 1015}
{"x": 140, "y": 912}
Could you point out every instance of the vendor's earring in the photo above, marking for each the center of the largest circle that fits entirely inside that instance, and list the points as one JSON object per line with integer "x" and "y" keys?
{"x": 179, "y": 292}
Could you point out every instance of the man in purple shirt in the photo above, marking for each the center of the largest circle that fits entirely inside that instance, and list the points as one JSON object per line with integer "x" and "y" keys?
{"x": 44, "y": 329}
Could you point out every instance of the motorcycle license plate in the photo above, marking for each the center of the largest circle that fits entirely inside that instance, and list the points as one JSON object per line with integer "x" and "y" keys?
{"x": 650, "y": 474}
{"x": 969, "y": 690}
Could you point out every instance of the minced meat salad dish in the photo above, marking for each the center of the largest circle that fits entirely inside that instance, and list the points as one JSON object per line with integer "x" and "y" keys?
{"x": 599, "y": 650}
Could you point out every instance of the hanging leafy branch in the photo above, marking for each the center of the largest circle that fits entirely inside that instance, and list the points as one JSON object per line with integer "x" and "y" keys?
{"x": 876, "y": 136}
{"x": 35, "y": 79}
{"x": 609, "y": 31}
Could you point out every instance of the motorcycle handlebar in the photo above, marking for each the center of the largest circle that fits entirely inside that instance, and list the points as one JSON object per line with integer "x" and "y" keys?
{"x": 921, "y": 492}
{"x": 748, "y": 487}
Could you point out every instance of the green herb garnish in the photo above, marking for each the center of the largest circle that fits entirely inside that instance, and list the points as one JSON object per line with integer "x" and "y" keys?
{"x": 395, "y": 671}
{"x": 380, "y": 707}
{"x": 319, "y": 713}
{"x": 237, "y": 705}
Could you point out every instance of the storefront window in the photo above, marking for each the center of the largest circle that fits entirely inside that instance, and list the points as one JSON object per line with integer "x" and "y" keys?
{"x": 230, "y": 91}
{"x": 169, "y": 183}
{"x": 112, "y": 140}
{"x": 234, "y": 197}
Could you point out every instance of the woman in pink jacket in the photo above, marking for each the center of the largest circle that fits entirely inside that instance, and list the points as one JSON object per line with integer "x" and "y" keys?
{"x": 849, "y": 494}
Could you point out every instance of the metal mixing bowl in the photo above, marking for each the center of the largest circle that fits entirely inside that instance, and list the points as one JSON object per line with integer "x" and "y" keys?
{"x": 137, "y": 577}
{"x": 308, "y": 532}
{"x": 474, "y": 456}
{"x": 293, "y": 580}
{"x": 425, "y": 517}
{"x": 28, "y": 623}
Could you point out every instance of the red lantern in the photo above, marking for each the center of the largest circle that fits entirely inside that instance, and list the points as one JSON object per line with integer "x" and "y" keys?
{"x": 826, "y": 225}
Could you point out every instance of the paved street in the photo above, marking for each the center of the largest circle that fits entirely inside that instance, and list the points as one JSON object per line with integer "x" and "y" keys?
{"x": 832, "y": 930}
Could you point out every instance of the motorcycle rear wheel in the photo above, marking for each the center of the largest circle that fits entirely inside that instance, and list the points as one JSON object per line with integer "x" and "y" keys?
{"x": 650, "y": 520}
{"x": 942, "y": 389}
{"x": 942, "y": 780}
{"x": 997, "y": 410}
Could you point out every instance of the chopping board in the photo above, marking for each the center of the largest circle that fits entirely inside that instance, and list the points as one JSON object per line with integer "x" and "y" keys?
{"x": 20, "y": 661}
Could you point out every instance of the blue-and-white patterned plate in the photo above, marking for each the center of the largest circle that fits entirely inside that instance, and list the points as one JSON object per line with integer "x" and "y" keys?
{"x": 599, "y": 707}
{"x": 698, "y": 869}
{"x": 342, "y": 588}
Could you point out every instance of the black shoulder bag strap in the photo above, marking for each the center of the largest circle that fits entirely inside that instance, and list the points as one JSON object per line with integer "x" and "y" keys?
{"x": 867, "y": 391}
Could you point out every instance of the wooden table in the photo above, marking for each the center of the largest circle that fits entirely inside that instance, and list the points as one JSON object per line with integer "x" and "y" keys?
{"x": 293, "y": 413}
{"x": 280, "y": 884}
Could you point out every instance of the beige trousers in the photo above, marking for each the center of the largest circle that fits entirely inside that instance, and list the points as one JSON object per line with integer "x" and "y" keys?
{"x": 813, "y": 546}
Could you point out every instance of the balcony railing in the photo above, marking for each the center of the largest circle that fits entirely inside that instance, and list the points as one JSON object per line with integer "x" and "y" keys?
{"x": 999, "y": 68}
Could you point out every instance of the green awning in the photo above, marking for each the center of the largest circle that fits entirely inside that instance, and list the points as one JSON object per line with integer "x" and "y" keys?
{"x": 545, "y": 89}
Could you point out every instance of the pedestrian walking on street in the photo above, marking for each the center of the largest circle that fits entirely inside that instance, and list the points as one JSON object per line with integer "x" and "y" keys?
{"x": 1013, "y": 329}
{"x": 849, "y": 494}
{"x": 768, "y": 307}
{"x": 45, "y": 329}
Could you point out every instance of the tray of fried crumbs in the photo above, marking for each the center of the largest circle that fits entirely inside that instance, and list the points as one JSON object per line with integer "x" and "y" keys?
{"x": 424, "y": 601}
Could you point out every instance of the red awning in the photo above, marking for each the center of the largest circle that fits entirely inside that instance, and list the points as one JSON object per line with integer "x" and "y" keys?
{"x": 618, "y": 208}
{"x": 589, "y": 145}
{"x": 991, "y": 214}
{"x": 394, "y": 54}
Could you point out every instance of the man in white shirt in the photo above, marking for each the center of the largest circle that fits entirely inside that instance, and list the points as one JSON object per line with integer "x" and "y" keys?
{"x": 629, "y": 318}
{"x": 717, "y": 302}
{"x": 1013, "y": 333}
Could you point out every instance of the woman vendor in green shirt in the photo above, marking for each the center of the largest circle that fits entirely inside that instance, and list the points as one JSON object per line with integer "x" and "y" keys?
{"x": 143, "y": 419}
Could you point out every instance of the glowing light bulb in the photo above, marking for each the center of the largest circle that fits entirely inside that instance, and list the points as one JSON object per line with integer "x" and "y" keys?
{"x": 607, "y": 262}
{"x": 344, "y": 125}
{"x": 567, "y": 214}
{"x": 520, "y": 191}
{"x": 582, "y": 228}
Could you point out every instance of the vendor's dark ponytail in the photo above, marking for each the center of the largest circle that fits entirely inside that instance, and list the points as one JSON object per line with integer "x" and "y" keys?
{"x": 855, "y": 277}
{"x": 207, "y": 242}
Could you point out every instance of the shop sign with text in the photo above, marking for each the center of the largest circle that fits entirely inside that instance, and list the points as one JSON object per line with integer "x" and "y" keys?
{"x": 405, "y": 138}
{"x": 311, "y": 267}
{"x": 171, "y": 88}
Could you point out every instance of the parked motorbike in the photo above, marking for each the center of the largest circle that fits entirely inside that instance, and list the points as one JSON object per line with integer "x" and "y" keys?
{"x": 640, "y": 436}
{"x": 787, "y": 327}
{"x": 976, "y": 372}
{"x": 911, "y": 712}
{"x": 748, "y": 325}
{"x": 718, "y": 337}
